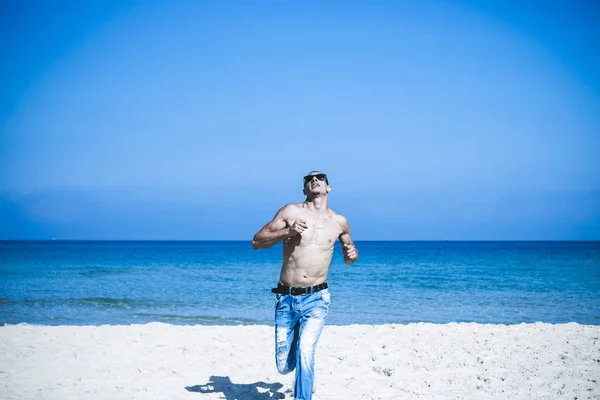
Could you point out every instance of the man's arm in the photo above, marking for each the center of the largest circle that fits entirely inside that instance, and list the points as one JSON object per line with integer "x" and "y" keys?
{"x": 350, "y": 252}
{"x": 277, "y": 230}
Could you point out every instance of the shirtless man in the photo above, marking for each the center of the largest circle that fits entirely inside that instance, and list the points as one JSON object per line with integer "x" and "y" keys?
{"x": 309, "y": 231}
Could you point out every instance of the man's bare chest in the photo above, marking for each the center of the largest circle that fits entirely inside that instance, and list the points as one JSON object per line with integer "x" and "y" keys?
{"x": 322, "y": 230}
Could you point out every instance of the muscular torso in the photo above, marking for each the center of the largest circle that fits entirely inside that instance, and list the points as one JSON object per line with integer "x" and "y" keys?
{"x": 306, "y": 257}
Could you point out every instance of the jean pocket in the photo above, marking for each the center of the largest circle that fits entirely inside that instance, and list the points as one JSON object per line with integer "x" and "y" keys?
{"x": 326, "y": 296}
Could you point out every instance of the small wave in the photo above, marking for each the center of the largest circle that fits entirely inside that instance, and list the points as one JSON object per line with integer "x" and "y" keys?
{"x": 96, "y": 302}
{"x": 109, "y": 302}
{"x": 197, "y": 319}
{"x": 96, "y": 272}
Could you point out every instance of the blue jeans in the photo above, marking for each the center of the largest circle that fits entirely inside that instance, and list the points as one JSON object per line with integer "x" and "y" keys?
{"x": 299, "y": 321}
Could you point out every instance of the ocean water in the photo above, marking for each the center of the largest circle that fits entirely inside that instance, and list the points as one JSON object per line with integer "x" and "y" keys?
{"x": 224, "y": 283}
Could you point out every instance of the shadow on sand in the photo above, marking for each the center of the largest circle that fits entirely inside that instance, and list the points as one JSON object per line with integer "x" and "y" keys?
{"x": 239, "y": 391}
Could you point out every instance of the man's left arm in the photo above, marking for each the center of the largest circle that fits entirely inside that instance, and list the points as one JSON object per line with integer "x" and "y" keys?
{"x": 350, "y": 252}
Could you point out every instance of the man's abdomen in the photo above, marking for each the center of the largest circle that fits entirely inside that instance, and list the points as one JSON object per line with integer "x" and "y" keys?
{"x": 306, "y": 266}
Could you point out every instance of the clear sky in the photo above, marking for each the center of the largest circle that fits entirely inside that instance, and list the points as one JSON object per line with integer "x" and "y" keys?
{"x": 434, "y": 120}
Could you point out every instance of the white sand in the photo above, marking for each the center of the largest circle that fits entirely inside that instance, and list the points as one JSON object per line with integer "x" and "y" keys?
{"x": 416, "y": 361}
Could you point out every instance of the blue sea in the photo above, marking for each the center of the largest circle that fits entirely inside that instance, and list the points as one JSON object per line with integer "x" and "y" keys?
{"x": 228, "y": 283}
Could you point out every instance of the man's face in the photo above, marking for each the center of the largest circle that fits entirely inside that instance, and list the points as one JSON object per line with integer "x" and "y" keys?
{"x": 316, "y": 183}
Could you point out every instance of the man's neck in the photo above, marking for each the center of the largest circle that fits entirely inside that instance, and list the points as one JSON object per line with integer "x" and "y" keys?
{"x": 316, "y": 204}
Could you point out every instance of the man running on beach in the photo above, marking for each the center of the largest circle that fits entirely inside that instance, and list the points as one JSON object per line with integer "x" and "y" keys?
{"x": 309, "y": 231}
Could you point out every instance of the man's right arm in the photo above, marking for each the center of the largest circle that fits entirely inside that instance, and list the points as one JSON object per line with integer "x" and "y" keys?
{"x": 274, "y": 231}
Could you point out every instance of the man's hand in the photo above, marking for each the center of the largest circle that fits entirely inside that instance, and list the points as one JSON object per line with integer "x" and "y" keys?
{"x": 298, "y": 227}
{"x": 350, "y": 252}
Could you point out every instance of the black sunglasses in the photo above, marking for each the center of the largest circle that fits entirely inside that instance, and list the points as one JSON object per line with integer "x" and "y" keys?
{"x": 321, "y": 177}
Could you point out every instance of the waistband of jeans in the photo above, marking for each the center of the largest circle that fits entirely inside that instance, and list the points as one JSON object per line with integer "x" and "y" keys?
{"x": 295, "y": 291}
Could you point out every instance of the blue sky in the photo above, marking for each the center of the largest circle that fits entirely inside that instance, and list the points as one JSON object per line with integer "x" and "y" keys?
{"x": 434, "y": 120}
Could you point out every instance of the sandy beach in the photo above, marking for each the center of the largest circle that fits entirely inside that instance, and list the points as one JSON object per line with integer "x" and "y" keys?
{"x": 414, "y": 361}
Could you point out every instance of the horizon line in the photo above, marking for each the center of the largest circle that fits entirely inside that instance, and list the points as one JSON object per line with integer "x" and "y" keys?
{"x": 249, "y": 240}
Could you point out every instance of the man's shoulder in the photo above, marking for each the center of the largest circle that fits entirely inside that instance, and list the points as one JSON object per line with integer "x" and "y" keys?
{"x": 338, "y": 217}
{"x": 291, "y": 208}
{"x": 335, "y": 214}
